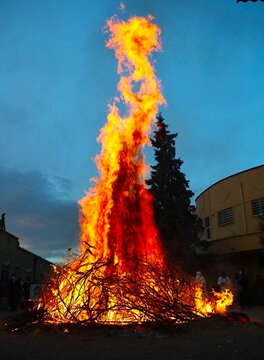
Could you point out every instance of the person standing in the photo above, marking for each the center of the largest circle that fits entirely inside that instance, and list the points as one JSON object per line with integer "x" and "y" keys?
{"x": 13, "y": 293}
{"x": 26, "y": 291}
{"x": 1, "y": 291}
{"x": 200, "y": 279}
{"x": 258, "y": 291}
{"x": 242, "y": 287}
{"x": 224, "y": 282}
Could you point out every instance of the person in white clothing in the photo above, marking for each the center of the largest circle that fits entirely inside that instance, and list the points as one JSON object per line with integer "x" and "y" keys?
{"x": 200, "y": 279}
{"x": 224, "y": 282}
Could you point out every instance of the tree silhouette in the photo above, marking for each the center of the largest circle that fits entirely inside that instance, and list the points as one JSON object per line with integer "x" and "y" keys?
{"x": 176, "y": 222}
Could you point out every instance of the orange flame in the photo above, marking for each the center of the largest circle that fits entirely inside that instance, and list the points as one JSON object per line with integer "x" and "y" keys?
{"x": 117, "y": 217}
{"x": 218, "y": 304}
{"x": 116, "y": 214}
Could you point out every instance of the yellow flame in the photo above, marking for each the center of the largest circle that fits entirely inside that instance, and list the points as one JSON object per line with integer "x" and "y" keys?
{"x": 217, "y": 304}
{"x": 116, "y": 218}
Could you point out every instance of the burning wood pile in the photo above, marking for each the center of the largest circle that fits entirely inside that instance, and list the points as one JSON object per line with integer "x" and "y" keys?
{"x": 149, "y": 293}
{"x": 121, "y": 276}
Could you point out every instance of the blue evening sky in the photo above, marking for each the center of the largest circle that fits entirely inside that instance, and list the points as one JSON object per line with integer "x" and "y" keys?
{"x": 57, "y": 77}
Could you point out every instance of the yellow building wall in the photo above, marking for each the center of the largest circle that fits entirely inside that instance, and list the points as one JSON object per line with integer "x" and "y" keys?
{"x": 236, "y": 191}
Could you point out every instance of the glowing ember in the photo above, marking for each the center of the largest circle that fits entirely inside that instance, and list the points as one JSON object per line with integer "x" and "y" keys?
{"x": 120, "y": 275}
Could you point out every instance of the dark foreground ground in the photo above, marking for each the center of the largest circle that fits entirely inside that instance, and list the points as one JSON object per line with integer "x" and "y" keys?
{"x": 211, "y": 338}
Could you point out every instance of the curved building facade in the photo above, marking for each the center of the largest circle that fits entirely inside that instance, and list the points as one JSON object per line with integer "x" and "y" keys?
{"x": 230, "y": 210}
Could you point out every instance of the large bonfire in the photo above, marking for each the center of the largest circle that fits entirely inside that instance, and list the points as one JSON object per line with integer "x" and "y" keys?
{"x": 121, "y": 274}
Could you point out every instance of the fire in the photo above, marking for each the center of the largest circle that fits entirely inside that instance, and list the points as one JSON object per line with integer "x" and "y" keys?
{"x": 120, "y": 274}
{"x": 116, "y": 214}
{"x": 218, "y": 304}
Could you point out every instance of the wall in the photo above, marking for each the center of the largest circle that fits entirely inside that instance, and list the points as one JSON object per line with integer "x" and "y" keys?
{"x": 234, "y": 192}
{"x": 21, "y": 262}
{"x": 236, "y": 244}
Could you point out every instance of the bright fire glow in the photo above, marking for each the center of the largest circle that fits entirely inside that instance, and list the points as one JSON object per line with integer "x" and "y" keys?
{"x": 116, "y": 214}
{"x": 116, "y": 218}
{"x": 218, "y": 304}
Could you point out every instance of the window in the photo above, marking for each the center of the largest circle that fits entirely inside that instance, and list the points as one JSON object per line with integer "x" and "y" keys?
{"x": 257, "y": 206}
{"x": 225, "y": 216}
{"x": 207, "y": 228}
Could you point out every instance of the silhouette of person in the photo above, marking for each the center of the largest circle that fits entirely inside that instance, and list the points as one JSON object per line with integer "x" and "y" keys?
{"x": 242, "y": 285}
{"x": 26, "y": 291}
{"x": 2, "y": 222}
{"x": 13, "y": 292}
{"x": 258, "y": 291}
{"x": 1, "y": 291}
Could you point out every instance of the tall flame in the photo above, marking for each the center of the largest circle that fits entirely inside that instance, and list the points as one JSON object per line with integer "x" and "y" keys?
{"x": 116, "y": 214}
{"x": 117, "y": 217}
{"x": 121, "y": 264}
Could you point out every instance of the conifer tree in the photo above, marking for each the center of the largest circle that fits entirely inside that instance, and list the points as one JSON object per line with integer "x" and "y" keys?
{"x": 174, "y": 217}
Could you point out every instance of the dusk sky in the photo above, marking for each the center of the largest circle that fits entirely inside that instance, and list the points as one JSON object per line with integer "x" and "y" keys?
{"x": 57, "y": 78}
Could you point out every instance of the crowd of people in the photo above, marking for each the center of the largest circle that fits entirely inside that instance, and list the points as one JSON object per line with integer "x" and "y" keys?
{"x": 247, "y": 293}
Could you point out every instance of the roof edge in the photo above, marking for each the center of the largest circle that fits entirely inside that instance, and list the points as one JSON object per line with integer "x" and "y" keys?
{"x": 227, "y": 177}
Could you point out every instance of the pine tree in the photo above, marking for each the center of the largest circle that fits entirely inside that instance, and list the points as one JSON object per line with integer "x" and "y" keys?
{"x": 174, "y": 217}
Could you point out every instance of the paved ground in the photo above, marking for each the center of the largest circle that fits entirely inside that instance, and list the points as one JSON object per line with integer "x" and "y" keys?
{"x": 236, "y": 338}
{"x": 216, "y": 338}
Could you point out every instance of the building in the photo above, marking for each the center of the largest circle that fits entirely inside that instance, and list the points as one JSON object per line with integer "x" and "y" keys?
{"x": 230, "y": 210}
{"x": 14, "y": 260}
